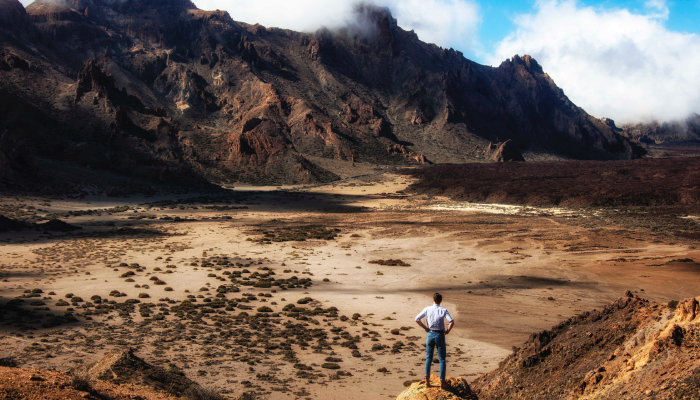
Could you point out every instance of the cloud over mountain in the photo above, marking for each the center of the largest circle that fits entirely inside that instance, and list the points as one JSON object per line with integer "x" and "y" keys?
{"x": 612, "y": 62}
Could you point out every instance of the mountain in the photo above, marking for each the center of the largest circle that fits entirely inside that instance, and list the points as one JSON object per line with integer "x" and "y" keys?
{"x": 162, "y": 90}
{"x": 655, "y": 132}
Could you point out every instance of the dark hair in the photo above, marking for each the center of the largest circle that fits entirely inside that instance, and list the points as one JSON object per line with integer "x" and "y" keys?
{"x": 437, "y": 298}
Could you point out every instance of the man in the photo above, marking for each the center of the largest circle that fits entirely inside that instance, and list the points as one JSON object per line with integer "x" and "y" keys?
{"x": 435, "y": 317}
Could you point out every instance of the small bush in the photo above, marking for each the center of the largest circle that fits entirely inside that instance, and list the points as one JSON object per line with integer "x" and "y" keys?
{"x": 330, "y": 366}
{"x": 69, "y": 295}
{"x": 144, "y": 295}
{"x": 168, "y": 289}
{"x": 202, "y": 393}
{"x": 80, "y": 380}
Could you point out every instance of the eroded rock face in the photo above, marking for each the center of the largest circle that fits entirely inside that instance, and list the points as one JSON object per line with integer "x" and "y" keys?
{"x": 631, "y": 349}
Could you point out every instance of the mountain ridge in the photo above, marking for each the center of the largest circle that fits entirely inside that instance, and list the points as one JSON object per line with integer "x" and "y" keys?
{"x": 245, "y": 102}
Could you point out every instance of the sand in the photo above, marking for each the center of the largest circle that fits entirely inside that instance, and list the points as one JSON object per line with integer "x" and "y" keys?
{"x": 505, "y": 272}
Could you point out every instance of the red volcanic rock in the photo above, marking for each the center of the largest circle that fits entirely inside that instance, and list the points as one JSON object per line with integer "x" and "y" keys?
{"x": 629, "y": 349}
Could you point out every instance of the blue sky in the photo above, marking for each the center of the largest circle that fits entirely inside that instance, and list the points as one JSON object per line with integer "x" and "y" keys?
{"x": 497, "y": 18}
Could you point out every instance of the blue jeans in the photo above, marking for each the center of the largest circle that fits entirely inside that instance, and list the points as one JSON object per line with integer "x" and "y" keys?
{"x": 436, "y": 339}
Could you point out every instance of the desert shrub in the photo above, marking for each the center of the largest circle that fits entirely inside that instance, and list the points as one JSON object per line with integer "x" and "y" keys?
{"x": 202, "y": 393}
{"x": 61, "y": 303}
{"x": 81, "y": 381}
{"x": 69, "y": 295}
{"x": 168, "y": 289}
{"x": 144, "y": 295}
{"x": 673, "y": 304}
{"x": 356, "y": 353}
{"x": 8, "y": 362}
{"x": 37, "y": 303}
{"x": 330, "y": 366}
{"x": 264, "y": 309}
{"x": 159, "y": 282}
{"x": 129, "y": 280}
{"x": 76, "y": 300}
{"x": 334, "y": 359}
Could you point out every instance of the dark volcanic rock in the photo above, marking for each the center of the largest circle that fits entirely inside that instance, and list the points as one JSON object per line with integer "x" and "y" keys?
{"x": 506, "y": 151}
{"x": 162, "y": 85}
{"x": 9, "y": 224}
{"x": 58, "y": 225}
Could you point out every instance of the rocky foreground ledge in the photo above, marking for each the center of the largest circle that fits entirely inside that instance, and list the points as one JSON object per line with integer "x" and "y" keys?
{"x": 455, "y": 389}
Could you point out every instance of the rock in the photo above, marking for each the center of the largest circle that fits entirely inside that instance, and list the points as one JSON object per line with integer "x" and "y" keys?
{"x": 455, "y": 389}
{"x": 122, "y": 366}
{"x": 9, "y": 224}
{"x": 501, "y": 152}
{"x": 58, "y": 225}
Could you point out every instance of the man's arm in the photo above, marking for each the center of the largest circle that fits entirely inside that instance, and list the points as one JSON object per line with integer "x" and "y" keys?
{"x": 450, "y": 320}
{"x": 422, "y": 325}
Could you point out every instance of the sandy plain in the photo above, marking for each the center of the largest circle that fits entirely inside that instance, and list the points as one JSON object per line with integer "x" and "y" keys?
{"x": 505, "y": 272}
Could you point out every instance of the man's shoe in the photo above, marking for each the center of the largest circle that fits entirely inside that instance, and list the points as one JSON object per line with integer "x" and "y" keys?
{"x": 427, "y": 382}
{"x": 443, "y": 385}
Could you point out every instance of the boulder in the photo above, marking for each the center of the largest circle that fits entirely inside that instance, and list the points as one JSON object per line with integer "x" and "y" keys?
{"x": 455, "y": 389}
{"x": 506, "y": 151}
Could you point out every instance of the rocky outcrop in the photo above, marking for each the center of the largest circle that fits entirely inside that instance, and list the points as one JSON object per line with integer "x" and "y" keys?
{"x": 631, "y": 349}
{"x": 122, "y": 366}
{"x": 501, "y": 152}
{"x": 454, "y": 389}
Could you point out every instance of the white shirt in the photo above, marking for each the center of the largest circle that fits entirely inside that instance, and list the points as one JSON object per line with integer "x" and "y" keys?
{"x": 435, "y": 317}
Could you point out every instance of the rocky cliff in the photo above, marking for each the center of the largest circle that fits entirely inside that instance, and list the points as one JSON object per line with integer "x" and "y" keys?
{"x": 158, "y": 88}
{"x": 631, "y": 349}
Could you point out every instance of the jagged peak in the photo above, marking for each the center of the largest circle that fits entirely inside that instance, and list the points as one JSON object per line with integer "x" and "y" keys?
{"x": 371, "y": 14}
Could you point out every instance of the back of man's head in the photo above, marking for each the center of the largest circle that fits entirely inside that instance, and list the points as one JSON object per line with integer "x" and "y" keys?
{"x": 437, "y": 298}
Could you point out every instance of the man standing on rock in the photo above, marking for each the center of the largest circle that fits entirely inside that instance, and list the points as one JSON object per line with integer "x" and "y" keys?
{"x": 435, "y": 317}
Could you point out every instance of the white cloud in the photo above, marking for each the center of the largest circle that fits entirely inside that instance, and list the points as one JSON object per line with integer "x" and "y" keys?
{"x": 613, "y": 63}
{"x": 447, "y": 23}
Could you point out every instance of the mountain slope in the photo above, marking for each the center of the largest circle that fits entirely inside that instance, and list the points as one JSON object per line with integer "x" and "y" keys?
{"x": 160, "y": 85}
{"x": 632, "y": 349}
